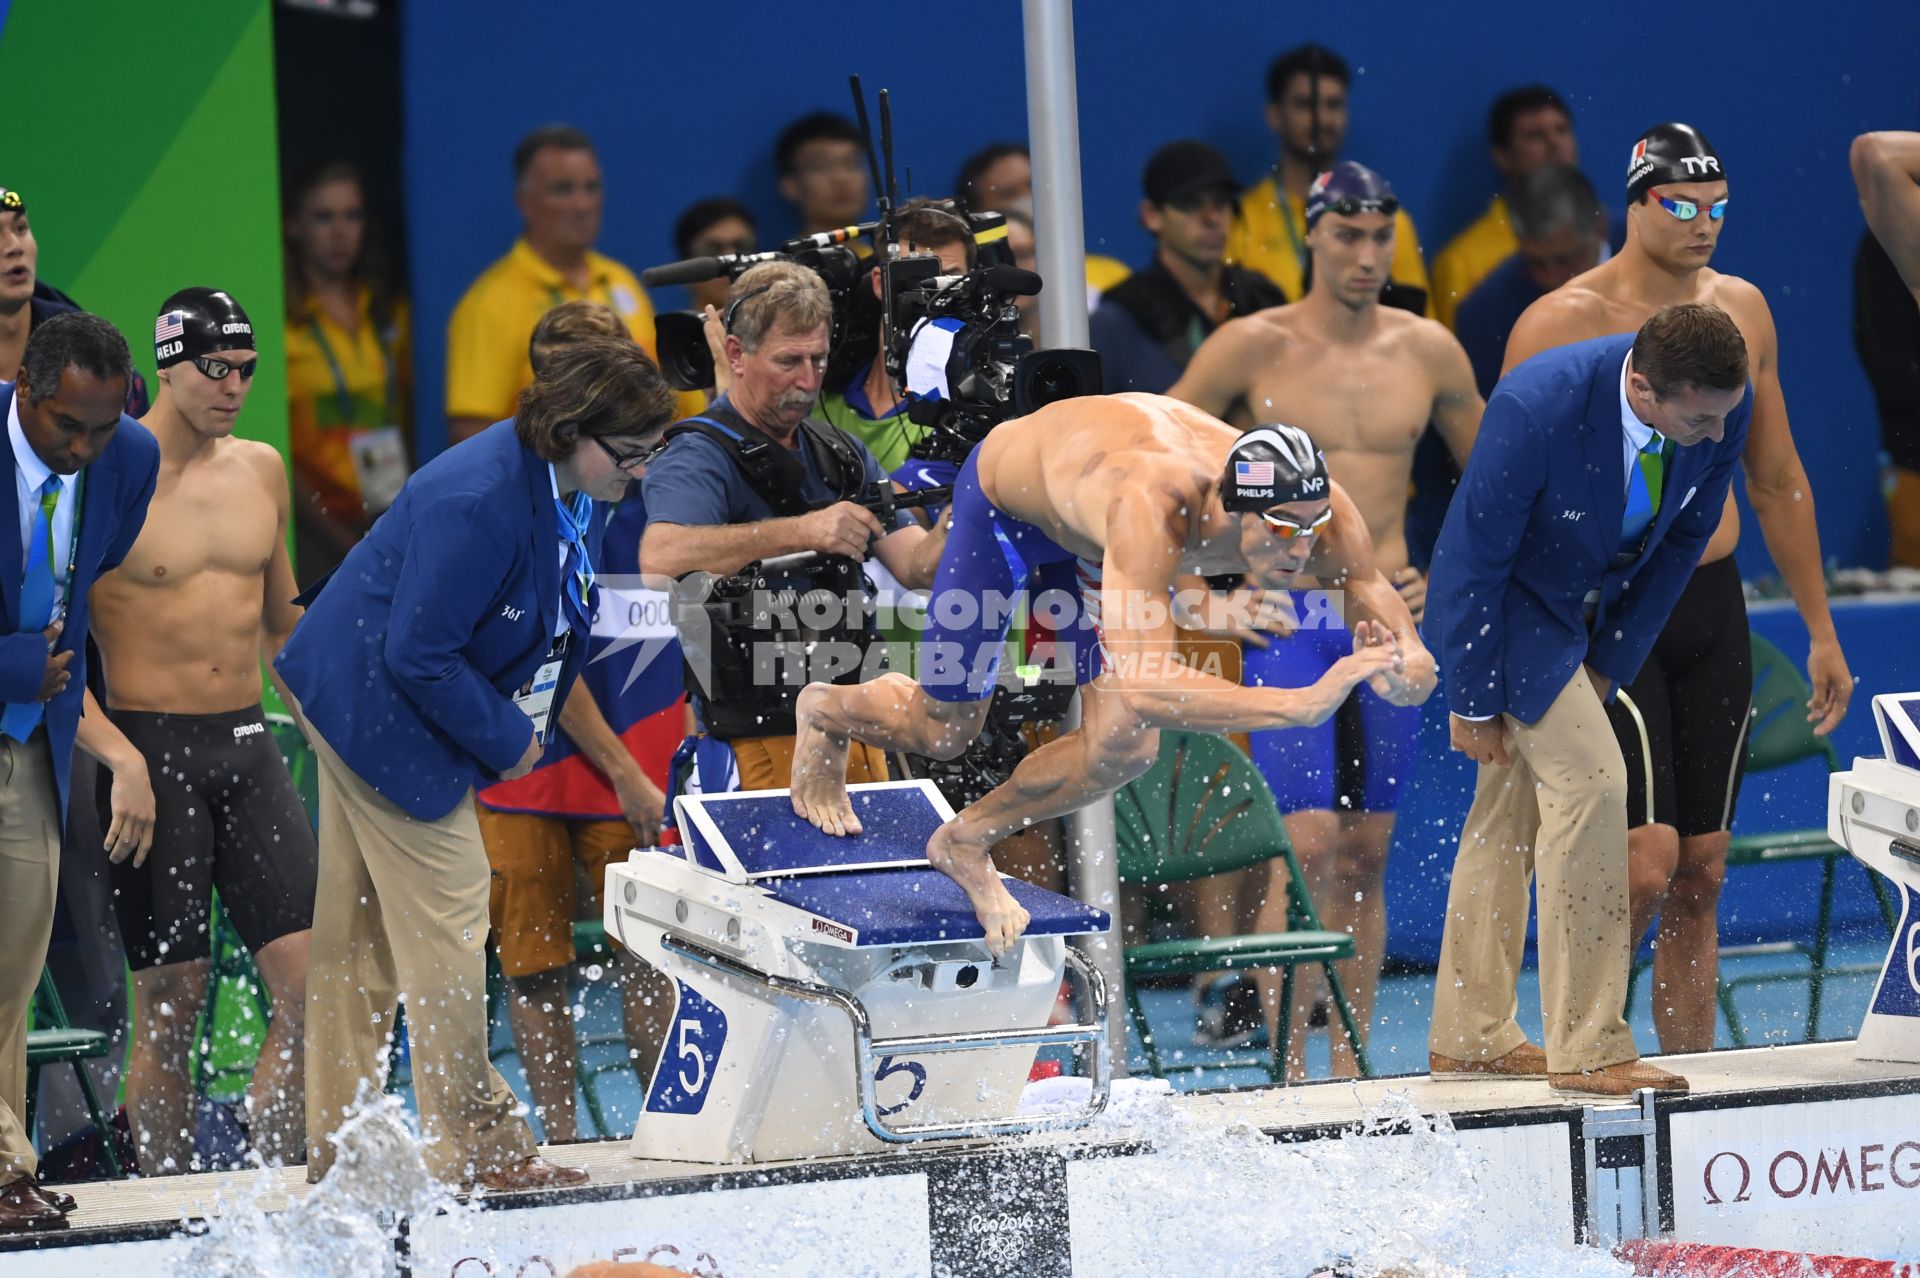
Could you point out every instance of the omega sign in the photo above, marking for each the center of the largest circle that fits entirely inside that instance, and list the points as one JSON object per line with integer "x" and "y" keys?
{"x": 1806, "y": 1176}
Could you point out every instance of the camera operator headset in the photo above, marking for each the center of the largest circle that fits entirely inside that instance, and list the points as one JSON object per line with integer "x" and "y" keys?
{"x": 755, "y": 480}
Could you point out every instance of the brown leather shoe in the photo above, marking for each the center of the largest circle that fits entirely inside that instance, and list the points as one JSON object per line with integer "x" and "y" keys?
{"x": 1616, "y": 1081}
{"x": 62, "y": 1202}
{"x": 1524, "y": 1061}
{"x": 531, "y": 1172}
{"x": 22, "y": 1207}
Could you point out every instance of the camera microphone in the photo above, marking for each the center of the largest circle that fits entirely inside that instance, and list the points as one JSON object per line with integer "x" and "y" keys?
{"x": 827, "y": 239}
{"x": 698, "y": 270}
{"x": 1012, "y": 280}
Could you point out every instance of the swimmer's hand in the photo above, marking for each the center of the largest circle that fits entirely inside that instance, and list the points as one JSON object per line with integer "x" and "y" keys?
{"x": 1413, "y": 683}
{"x": 132, "y": 809}
{"x": 1412, "y": 585}
{"x": 1375, "y": 651}
{"x": 716, "y": 334}
{"x": 843, "y": 528}
{"x": 1832, "y": 686}
{"x": 1482, "y": 740}
{"x": 527, "y": 759}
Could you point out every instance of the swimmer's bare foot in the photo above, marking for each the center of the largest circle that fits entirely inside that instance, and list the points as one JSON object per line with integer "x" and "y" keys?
{"x": 969, "y": 863}
{"x": 819, "y": 783}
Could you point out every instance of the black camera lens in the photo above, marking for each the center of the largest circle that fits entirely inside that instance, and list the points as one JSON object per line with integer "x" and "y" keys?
{"x": 1048, "y": 376}
{"x": 967, "y": 977}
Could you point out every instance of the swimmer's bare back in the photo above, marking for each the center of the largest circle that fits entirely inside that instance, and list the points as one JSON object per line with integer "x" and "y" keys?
{"x": 1061, "y": 468}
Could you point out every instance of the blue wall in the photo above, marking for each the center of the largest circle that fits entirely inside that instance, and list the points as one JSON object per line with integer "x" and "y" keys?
{"x": 685, "y": 100}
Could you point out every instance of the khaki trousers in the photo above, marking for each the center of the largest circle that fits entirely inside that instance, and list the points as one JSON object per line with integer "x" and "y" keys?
{"x": 29, "y": 881}
{"x": 1560, "y": 811}
{"x": 402, "y": 909}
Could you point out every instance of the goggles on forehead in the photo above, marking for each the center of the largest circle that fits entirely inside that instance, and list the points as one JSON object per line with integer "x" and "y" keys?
{"x": 1687, "y": 210}
{"x": 1287, "y": 529}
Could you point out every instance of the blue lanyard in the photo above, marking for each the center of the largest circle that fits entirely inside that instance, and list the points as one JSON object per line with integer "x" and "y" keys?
{"x": 343, "y": 396}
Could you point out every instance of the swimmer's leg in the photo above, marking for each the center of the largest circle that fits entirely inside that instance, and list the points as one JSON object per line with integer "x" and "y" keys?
{"x": 1110, "y": 748}
{"x": 891, "y": 712}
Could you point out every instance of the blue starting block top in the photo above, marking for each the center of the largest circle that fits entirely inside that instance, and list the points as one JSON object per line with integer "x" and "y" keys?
{"x": 877, "y": 884}
{"x": 1898, "y": 717}
{"x": 756, "y": 835}
{"x": 923, "y": 906}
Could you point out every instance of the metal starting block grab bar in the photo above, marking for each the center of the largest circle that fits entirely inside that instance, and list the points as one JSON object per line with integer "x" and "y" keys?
{"x": 867, "y": 1048}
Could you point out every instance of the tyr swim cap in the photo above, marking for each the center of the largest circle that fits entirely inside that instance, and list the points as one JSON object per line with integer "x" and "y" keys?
{"x": 1348, "y": 188}
{"x": 1271, "y": 466}
{"x": 197, "y": 321}
{"x": 1671, "y": 152}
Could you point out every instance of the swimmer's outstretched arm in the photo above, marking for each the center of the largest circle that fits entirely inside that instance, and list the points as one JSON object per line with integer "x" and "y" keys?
{"x": 1886, "y": 168}
{"x": 1138, "y": 633}
{"x": 1344, "y": 555}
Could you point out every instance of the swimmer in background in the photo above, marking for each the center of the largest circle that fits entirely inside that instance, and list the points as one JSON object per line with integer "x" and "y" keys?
{"x": 203, "y": 598}
{"x": 1134, "y": 490}
{"x": 1364, "y": 380}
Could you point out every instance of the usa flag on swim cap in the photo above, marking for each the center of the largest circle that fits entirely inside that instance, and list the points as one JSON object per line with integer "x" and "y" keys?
{"x": 1253, "y": 474}
{"x": 167, "y": 327}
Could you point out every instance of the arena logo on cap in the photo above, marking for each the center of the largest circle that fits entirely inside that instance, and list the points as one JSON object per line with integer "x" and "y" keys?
{"x": 228, "y": 330}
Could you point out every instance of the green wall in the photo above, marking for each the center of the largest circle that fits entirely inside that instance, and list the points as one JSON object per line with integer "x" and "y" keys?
{"x": 142, "y": 135}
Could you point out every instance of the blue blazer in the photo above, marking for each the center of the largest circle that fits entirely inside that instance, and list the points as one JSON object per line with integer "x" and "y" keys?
{"x": 410, "y": 651}
{"x": 1534, "y": 529}
{"x": 113, "y": 505}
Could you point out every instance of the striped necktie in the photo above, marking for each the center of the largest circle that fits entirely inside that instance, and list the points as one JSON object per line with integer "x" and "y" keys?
{"x": 36, "y": 605}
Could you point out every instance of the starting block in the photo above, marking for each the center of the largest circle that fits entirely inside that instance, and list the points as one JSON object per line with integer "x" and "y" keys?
{"x": 1874, "y": 812}
{"x": 836, "y": 995}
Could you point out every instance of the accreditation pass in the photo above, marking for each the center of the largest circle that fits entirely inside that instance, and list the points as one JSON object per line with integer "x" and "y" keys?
{"x": 535, "y": 697}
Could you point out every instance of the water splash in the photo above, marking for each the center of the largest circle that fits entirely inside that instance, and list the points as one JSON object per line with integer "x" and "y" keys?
{"x": 1399, "y": 1194}
{"x": 343, "y": 1226}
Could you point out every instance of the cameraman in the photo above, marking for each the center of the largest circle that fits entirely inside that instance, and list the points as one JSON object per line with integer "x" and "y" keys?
{"x": 858, "y": 396}
{"x": 707, "y": 512}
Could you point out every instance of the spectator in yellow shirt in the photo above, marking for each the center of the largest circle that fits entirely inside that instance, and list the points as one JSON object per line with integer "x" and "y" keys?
{"x": 1528, "y": 127}
{"x": 1307, "y": 111}
{"x": 558, "y": 188}
{"x": 348, "y": 369}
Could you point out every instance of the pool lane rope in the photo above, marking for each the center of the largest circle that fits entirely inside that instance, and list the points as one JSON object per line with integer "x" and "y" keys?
{"x": 1664, "y": 1258}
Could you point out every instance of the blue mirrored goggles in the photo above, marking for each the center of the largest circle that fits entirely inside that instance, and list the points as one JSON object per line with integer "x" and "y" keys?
{"x": 1687, "y": 210}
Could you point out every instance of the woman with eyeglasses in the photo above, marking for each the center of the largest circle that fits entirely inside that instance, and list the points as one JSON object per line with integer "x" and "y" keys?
{"x": 349, "y": 369}
{"x": 433, "y": 662}
{"x": 204, "y": 596}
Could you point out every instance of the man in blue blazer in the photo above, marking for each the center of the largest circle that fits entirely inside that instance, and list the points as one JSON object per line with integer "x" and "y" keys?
{"x": 78, "y": 474}
{"x": 434, "y": 660}
{"x": 1598, "y": 475}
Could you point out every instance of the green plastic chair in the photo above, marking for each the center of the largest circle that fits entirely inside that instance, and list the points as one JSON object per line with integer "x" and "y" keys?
{"x": 1204, "y": 809}
{"x": 1778, "y": 735}
{"x": 55, "y": 1041}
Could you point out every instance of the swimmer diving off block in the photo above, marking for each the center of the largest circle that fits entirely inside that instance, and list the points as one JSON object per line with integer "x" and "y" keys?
{"x": 1113, "y": 497}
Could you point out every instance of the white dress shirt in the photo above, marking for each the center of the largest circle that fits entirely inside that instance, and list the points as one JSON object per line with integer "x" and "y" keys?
{"x": 1636, "y": 434}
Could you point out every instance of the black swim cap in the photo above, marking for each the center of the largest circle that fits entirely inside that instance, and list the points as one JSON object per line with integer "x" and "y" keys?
{"x": 12, "y": 201}
{"x": 1271, "y": 466}
{"x": 196, "y": 321}
{"x": 1671, "y": 152}
{"x": 1349, "y": 188}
